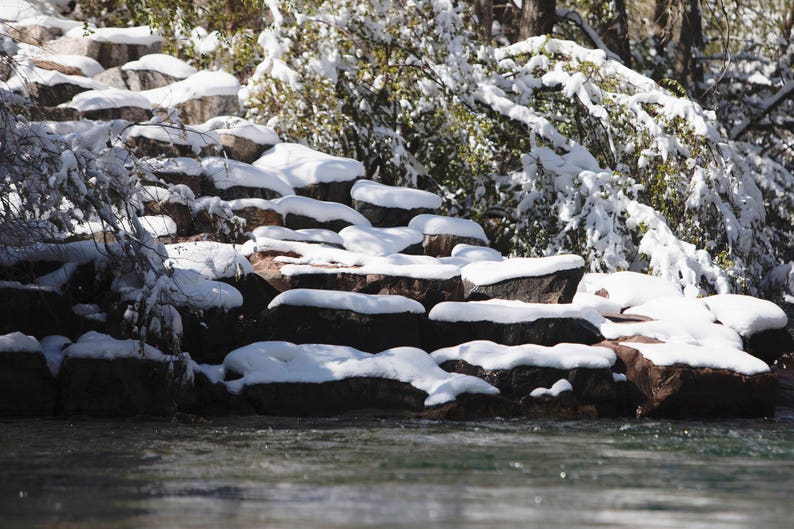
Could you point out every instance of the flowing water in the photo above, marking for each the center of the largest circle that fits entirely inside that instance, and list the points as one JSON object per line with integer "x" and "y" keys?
{"x": 261, "y": 472}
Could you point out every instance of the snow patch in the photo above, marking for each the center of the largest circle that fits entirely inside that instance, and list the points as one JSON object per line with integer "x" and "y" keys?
{"x": 699, "y": 356}
{"x": 393, "y": 197}
{"x": 745, "y": 314}
{"x": 301, "y": 166}
{"x": 440, "y": 225}
{"x": 493, "y": 356}
{"x": 503, "y": 311}
{"x": 558, "y": 387}
{"x": 379, "y": 241}
{"x": 352, "y": 301}
{"x": 320, "y": 210}
{"x": 489, "y": 273}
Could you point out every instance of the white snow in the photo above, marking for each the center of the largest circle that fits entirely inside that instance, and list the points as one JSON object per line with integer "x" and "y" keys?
{"x": 200, "y": 84}
{"x": 272, "y": 362}
{"x": 58, "y": 278}
{"x": 107, "y": 98}
{"x": 190, "y": 288}
{"x": 17, "y": 342}
{"x": 474, "y": 254}
{"x": 352, "y": 301}
{"x": 374, "y": 267}
{"x": 165, "y": 64}
{"x": 678, "y": 331}
{"x": 301, "y": 166}
{"x": 33, "y": 74}
{"x": 212, "y": 260}
{"x": 489, "y": 273}
{"x": 441, "y": 225}
{"x": 169, "y": 133}
{"x": 254, "y": 203}
{"x": 745, "y": 314}
{"x": 53, "y": 348}
{"x": 159, "y": 225}
{"x": 668, "y": 354}
{"x": 674, "y": 308}
{"x": 379, "y": 241}
{"x": 103, "y": 347}
{"x": 393, "y": 197}
{"x": 493, "y": 356}
{"x": 135, "y": 35}
{"x": 599, "y": 303}
{"x": 305, "y": 235}
{"x": 178, "y": 165}
{"x": 558, "y": 387}
{"x": 226, "y": 173}
{"x": 90, "y": 311}
{"x": 320, "y": 210}
{"x": 236, "y": 126}
{"x": 629, "y": 289}
{"x": 502, "y": 311}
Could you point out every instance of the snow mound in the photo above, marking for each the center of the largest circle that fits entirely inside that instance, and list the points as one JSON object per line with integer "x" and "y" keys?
{"x": 489, "y": 273}
{"x": 256, "y": 203}
{"x": 474, "y": 254}
{"x": 165, "y": 64}
{"x": 561, "y": 386}
{"x": 352, "y": 301}
{"x": 629, "y": 289}
{"x": 745, "y": 314}
{"x": 492, "y": 356}
{"x": 107, "y": 98}
{"x": 135, "y": 35}
{"x": 675, "y": 331}
{"x": 503, "y": 311}
{"x": 270, "y": 362}
{"x": 16, "y": 342}
{"x": 178, "y": 165}
{"x": 212, "y": 260}
{"x": 242, "y": 128}
{"x": 100, "y": 346}
{"x": 305, "y": 235}
{"x": 375, "y": 267}
{"x": 159, "y": 225}
{"x": 176, "y": 135}
{"x": 225, "y": 173}
{"x": 440, "y": 225}
{"x": 200, "y": 84}
{"x": 379, "y": 241}
{"x": 393, "y": 197}
{"x": 674, "y": 308}
{"x": 53, "y": 348}
{"x": 599, "y": 303}
{"x": 668, "y": 354}
{"x": 191, "y": 289}
{"x": 301, "y": 166}
{"x": 320, "y": 210}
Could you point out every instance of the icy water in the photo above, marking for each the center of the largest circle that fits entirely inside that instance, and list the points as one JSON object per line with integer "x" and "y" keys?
{"x": 262, "y": 473}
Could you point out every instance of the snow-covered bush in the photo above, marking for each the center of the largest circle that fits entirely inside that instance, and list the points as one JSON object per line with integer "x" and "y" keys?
{"x": 552, "y": 146}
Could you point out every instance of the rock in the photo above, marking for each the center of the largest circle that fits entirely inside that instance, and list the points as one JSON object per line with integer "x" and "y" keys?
{"x": 171, "y": 141}
{"x": 199, "y": 110}
{"x": 269, "y": 269}
{"x": 333, "y": 398}
{"x": 769, "y": 345}
{"x": 474, "y": 406}
{"x": 562, "y": 406}
{"x": 108, "y": 54}
{"x": 391, "y": 206}
{"x": 180, "y": 213}
{"x": 255, "y": 216}
{"x": 26, "y": 385}
{"x": 115, "y": 77}
{"x": 37, "y": 311}
{"x": 128, "y": 113}
{"x": 427, "y": 291}
{"x": 51, "y": 95}
{"x": 120, "y": 386}
{"x": 242, "y": 140}
{"x": 210, "y": 335}
{"x": 304, "y": 213}
{"x": 206, "y": 397}
{"x": 58, "y": 67}
{"x": 139, "y": 80}
{"x": 681, "y": 391}
{"x": 441, "y": 245}
{"x": 241, "y": 149}
{"x": 177, "y": 171}
{"x": 384, "y": 217}
{"x": 257, "y": 292}
{"x": 442, "y": 234}
{"x": 531, "y": 280}
{"x": 35, "y": 34}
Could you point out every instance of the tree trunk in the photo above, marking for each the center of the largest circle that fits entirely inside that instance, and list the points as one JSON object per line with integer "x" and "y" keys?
{"x": 689, "y": 70}
{"x": 661, "y": 25}
{"x": 537, "y": 17}
{"x": 616, "y": 36}
{"x": 483, "y": 9}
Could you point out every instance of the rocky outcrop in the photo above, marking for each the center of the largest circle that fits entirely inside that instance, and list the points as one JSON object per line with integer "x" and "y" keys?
{"x": 441, "y": 245}
{"x": 108, "y": 54}
{"x": 389, "y": 217}
{"x": 769, "y": 345}
{"x": 26, "y": 385}
{"x": 557, "y": 287}
{"x": 36, "y": 311}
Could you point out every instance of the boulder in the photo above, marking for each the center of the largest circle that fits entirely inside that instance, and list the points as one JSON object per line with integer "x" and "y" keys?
{"x": 177, "y": 211}
{"x": 171, "y": 141}
{"x": 532, "y": 280}
{"x": 27, "y": 386}
{"x": 302, "y": 212}
{"x": 56, "y": 66}
{"x": 474, "y": 406}
{"x": 240, "y": 148}
{"x": 769, "y": 344}
{"x": 200, "y": 109}
{"x": 256, "y": 215}
{"x": 390, "y": 206}
{"x": 34, "y": 310}
{"x": 51, "y": 94}
{"x": 241, "y": 139}
{"x": 269, "y": 269}
{"x": 210, "y": 397}
{"x": 385, "y": 217}
{"x": 176, "y": 171}
{"x": 108, "y": 46}
{"x": 680, "y": 391}
{"x": 442, "y": 234}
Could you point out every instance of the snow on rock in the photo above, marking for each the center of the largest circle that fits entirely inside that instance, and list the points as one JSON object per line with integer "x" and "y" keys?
{"x": 301, "y": 166}
{"x": 674, "y": 308}
{"x": 489, "y": 273}
{"x": 192, "y": 289}
{"x": 352, "y": 301}
{"x": 212, "y": 260}
{"x": 629, "y": 289}
{"x": 320, "y": 210}
{"x": 375, "y": 267}
{"x": 226, "y": 173}
{"x": 165, "y": 64}
{"x": 677, "y": 331}
{"x": 100, "y": 346}
{"x": 699, "y": 356}
{"x": 745, "y": 314}
{"x": 178, "y": 165}
{"x": 379, "y": 241}
{"x": 236, "y": 126}
{"x": 177, "y": 135}
{"x": 107, "y": 98}
{"x": 159, "y": 225}
{"x": 272, "y": 362}
{"x": 440, "y": 225}
{"x": 53, "y": 348}
{"x": 503, "y": 311}
{"x": 142, "y": 35}
{"x": 307, "y": 235}
{"x": 200, "y": 84}
{"x": 255, "y": 203}
{"x": 492, "y": 356}
{"x": 476, "y": 253}
{"x": 393, "y": 197}
{"x": 558, "y": 387}
{"x": 59, "y": 277}
{"x": 599, "y": 303}
{"x": 79, "y": 252}
{"x": 31, "y": 74}
{"x": 16, "y": 342}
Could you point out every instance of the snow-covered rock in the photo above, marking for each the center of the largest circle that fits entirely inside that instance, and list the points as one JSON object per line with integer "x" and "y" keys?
{"x": 304, "y": 212}
{"x": 442, "y": 233}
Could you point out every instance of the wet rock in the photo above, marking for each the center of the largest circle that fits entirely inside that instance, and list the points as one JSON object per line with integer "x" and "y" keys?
{"x": 120, "y": 386}
{"x": 681, "y": 391}
{"x": 333, "y": 398}
{"x": 26, "y": 385}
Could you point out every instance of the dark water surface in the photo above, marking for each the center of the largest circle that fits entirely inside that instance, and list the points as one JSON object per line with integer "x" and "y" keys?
{"x": 262, "y": 472}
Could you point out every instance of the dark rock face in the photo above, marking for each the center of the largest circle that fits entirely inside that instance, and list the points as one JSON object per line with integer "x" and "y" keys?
{"x": 53, "y": 95}
{"x": 119, "y": 387}
{"x": 329, "y": 191}
{"x": 367, "y": 332}
{"x": 257, "y": 293}
{"x": 128, "y": 113}
{"x": 180, "y": 213}
{"x": 301, "y": 222}
{"x": 442, "y": 245}
{"x": 26, "y": 385}
{"x": 428, "y": 292}
{"x": 383, "y": 217}
{"x": 207, "y": 398}
{"x": 769, "y": 345}
{"x": 679, "y": 392}
{"x": 559, "y": 287}
{"x": 201, "y": 109}
{"x": 592, "y": 387}
{"x": 209, "y": 336}
{"x": 242, "y": 149}
{"x": 235, "y": 192}
{"x": 108, "y": 54}
{"x": 333, "y": 398}
{"x": 154, "y": 148}
{"x": 472, "y": 406}
{"x": 545, "y": 331}
{"x": 255, "y": 217}
{"x": 36, "y": 312}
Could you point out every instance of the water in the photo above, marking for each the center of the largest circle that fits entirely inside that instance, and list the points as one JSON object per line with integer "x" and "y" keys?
{"x": 262, "y": 472}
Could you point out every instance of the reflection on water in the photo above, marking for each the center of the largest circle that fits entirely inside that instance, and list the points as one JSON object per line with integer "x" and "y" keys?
{"x": 263, "y": 472}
